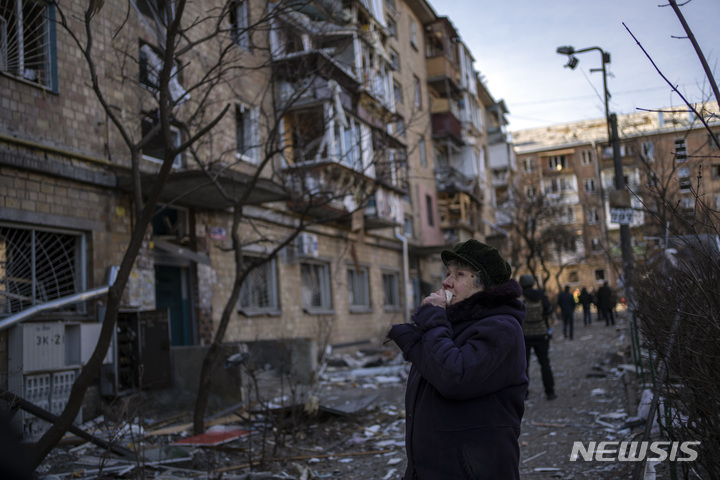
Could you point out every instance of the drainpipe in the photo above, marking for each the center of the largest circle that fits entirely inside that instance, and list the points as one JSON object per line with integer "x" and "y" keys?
{"x": 60, "y": 302}
{"x": 406, "y": 274}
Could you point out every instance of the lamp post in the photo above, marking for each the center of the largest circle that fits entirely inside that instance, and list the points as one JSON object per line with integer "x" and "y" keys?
{"x": 613, "y": 138}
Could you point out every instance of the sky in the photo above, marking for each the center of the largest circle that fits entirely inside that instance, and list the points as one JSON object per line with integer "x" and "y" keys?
{"x": 514, "y": 44}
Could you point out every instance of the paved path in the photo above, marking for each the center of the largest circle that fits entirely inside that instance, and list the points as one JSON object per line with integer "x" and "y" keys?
{"x": 591, "y": 406}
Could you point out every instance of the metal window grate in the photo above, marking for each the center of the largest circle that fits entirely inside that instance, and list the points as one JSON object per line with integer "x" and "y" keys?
{"x": 36, "y": 267}
{"x": 25, "y": 40}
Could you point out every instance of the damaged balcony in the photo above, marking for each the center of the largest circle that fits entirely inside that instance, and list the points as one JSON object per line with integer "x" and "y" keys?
{"x": 342, "y": 45}
{"x": 459, "y": 201}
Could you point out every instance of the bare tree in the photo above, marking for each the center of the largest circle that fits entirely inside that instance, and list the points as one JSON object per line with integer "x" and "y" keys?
{"x": 542, "y": 235}
{"x": 317, "y": 168}
{"x": 677, "y": 295}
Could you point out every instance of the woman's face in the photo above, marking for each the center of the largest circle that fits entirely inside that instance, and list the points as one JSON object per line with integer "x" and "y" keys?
{"x": 461, "y": 282}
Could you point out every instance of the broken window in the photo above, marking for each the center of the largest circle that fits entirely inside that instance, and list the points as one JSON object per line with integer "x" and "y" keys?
{"x": 259, "y": 290}
{"x": 150, "y": 65}
{"x": 248, "y": 140}
{"x": 38, "y": 266}
{"x": 157, "y": 10}
{"x": 27, "y": 37}
{"x": 316, "y": 286}
{"x": 154, "y": 149}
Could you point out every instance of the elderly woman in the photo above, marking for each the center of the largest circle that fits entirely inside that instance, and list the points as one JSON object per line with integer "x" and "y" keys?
{"x": 466, "y": 390}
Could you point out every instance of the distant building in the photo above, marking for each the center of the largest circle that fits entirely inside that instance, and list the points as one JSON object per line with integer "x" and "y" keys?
{"x": 669, "y": 161}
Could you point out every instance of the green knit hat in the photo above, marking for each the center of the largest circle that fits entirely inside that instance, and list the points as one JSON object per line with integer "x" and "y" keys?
{"x": 484, "y": 258}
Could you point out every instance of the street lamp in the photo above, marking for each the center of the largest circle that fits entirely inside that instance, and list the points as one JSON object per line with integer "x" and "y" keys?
{"x": 625, "y": 240}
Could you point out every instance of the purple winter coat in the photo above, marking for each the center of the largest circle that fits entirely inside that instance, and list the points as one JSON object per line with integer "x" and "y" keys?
{"x": 465, "y": 394}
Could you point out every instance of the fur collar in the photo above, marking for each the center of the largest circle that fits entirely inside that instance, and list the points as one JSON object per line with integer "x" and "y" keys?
{"x": 498, "y": 296}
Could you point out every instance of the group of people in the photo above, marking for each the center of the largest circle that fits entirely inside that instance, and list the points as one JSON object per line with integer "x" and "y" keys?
{"x": 469, "y": 345}
{"x": 604, "y": 300}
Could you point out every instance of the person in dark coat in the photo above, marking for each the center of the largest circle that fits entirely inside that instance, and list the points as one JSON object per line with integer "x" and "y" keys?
{"x": 467, "y": 384}
{"x": 537, "y": 330}
{"x": 566, "y": 302}
{"x": 586, "y": 299}
{"x": 605, "y": 304}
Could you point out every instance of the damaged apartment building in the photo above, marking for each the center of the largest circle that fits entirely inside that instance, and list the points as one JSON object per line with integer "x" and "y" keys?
{"x": 352, "y": 139}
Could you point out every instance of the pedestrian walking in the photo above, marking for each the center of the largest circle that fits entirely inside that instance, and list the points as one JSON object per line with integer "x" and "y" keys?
{"x": 537, "y": 332}
{"x": 567, "y": 304}
{"x": 465, "y": 393}
{"x": 586, "y": 299}
{"x": 605, "y": 304}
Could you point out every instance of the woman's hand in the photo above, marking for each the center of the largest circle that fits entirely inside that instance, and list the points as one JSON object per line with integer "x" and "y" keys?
{"x": 439, "y": 299}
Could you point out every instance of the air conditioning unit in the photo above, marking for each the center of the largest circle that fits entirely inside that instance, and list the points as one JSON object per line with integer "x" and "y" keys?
{"x": 307, "y": 245}
{"x": 43, "y": 361}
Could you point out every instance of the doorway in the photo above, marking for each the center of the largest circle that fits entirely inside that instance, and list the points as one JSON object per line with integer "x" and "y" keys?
{"x": 172, "y": 292}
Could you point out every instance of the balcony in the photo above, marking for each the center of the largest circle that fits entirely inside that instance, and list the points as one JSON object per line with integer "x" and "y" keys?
{"x": 458, "y": 210}
{"x": 450, "y": 180}
{"x": 383, "y": 210}
{"x": 446, "y": 124}
{"x": 442, "y": 76}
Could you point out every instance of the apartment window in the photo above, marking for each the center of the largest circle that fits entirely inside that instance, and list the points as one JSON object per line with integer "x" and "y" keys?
{"x": 715, "y": 170}
{"x": 680, "y": 150}
{"x": 422, "y": 152}
{"x": 391, "y": 290}
{"x": 600, "y": 275}
{"x": 687, "y": 203}
{"x": 259, "y": 292}
{"x": 557, "y": 162}
{"x": 155, "y": 9}
{"x": 713, "y": 140}
{"x": 239, "y": 23}
{"x": 429, "y": 210}
{"x": 529, "y": 165}
{"x": 441, "y": 160}
{"x": 586, "y": 157}
{"x": 397, "y": 92}
{"x": 358, "y": 288}
{"x": 413, "y": 34}
{"x": 595, "y": 245}
{"x": 315, "y": 279}
{"x": 684, "y": 178}
{"x": 37, "y": 266}
{"x": 530, "y": 192}
{"x": 573, "y": 277}
{"x": 589, "y": 184}
{"x": 418, "y": 93}
{"x": 347, "y": 144}
{"x": 566, "y": 214}
{"x": 391, "y": 26}
{"x": 717, "y": 202}
{"x": 154, "y": 150}
{"x": 648, "y": 151}
{"x": 558, "y": 185}
{"x": 400, "y": 127}
{"x": 150, "y": 65}
{"x": 408, "y": 227}
{"x": 394, "y": 60}
{"x": 27, "y": 41}
{"x": 247, "y": 134}
{"x": 592, "y": 216}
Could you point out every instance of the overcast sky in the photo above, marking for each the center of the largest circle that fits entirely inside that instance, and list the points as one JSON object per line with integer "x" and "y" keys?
{"x": 514, "y": 43}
